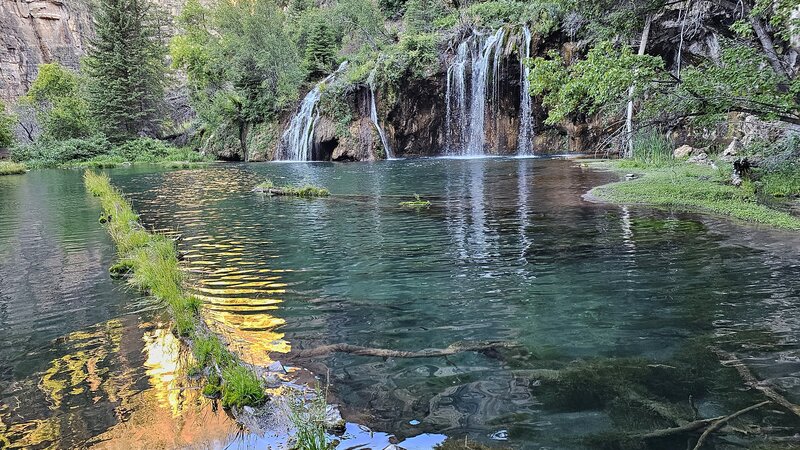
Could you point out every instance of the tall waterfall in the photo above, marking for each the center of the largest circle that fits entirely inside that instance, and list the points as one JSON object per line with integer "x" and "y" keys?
{"x": 466, "y": 111}
{"x": 478, "y": 58}
{"x": 524, "y": 142}
{"x": 297, "y": 140}
{"x": 373, "y": 115}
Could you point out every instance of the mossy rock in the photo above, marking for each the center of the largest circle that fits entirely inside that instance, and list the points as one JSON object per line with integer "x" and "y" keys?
{"x": 120, "y": 269}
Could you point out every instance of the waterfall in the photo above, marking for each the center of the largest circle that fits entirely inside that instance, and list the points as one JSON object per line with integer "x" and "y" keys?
{"x": 524, "y": 143}
{"x": 456, "y": 98}
{"x": 373, "y": 115}
{"x": 468, "y": 121}
{"x": 297, "y": 140}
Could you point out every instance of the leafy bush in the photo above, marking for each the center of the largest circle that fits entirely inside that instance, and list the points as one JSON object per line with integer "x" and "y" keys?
{"x": 49, "y": 153}
{"x": 60, "y": 103}
{"x": 598, "y": 82}
{"x": 7, "y": 122}
{"x": 543, "y": 16}
{"x": 142, "y": 150}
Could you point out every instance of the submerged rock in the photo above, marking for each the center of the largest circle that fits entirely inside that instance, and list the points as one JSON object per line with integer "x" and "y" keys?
{"x": 333, "y": 419}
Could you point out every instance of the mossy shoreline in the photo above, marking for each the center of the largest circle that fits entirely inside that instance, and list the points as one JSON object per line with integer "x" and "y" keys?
{"x": 688, "y": 187}
{"x": 150, "y": 263}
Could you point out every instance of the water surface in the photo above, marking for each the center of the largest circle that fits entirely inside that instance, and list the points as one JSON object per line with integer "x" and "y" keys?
{"x": 507, "y": 252}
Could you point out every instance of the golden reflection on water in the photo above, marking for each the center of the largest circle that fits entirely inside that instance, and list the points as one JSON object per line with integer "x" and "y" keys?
{"x": 240, "y": 292}
{"x": 172, "y": 413}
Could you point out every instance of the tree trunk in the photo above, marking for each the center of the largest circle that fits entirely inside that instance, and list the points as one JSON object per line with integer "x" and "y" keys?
{"x": 629, "y": 118}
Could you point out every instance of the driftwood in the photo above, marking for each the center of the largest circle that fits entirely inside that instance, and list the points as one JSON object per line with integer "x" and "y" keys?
{"x": 386, "y": 353}
{"x": 729, "y": 359}
{"x": 685, "y": 428}
{"x": 719, "y": 423}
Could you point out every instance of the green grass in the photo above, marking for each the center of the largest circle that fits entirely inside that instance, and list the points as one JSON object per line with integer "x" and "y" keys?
{"x": 150, "y": 262}
{"x": 694, "y": 187}
{"x": 308, "y": 418}
{"x": 306, "y": 191}
{"x": 417, "y": 203}
{"x": 12, "y": 168}
{"x": 784, "y": 183}
{"x": 241, "y": 387}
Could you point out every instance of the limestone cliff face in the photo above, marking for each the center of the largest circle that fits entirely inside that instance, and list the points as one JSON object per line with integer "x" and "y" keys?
{"x": 36, "y": 32}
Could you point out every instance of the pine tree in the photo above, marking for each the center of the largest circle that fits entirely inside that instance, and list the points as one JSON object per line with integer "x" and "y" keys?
{"x": 127, "y": 69}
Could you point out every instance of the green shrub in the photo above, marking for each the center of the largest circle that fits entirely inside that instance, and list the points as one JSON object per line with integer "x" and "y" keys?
{"x": 7, "y": 122}
{"x": 60, "y": 103}
{"x": 142, "y": 150}
{"x": 51, "y": 153}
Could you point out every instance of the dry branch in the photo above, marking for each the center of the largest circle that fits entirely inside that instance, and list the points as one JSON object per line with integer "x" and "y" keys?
{"x": 685, "y": 428}
{"x": 719, "y": 423}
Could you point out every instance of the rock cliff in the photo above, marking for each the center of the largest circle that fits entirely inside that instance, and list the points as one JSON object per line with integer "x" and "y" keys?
{"x": 36, "y": 32}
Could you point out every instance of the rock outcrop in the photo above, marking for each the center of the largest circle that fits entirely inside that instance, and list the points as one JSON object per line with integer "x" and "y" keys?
{"x": 37, "y": 32}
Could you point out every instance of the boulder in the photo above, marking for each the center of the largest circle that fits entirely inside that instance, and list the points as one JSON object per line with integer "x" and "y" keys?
{"x": 700, "y": 158}
{"x": 684, "y": 151}
{"x": 732, "y": 150}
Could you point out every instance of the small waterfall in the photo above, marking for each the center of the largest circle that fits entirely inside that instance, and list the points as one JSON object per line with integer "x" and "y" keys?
{"x": 468, "y": 121}
{"x": 297, "y": 140}
{"x": 457, "y": 99}
{"x": 373, "y": 115}
{"x": 524, "y": 143}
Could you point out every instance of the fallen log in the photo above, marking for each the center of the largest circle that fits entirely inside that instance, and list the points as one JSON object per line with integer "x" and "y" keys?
{"x": 728, "y": 359}
{"x": 685, "y": 428}
{"x": 719, "y": 423}
{"x": 387, "y": 353}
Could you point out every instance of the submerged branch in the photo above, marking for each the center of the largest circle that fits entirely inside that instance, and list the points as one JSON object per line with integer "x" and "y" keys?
{"x": 387, "y": 353}
{"x": 719, "y": 423}
{"x": 730, "y": 360}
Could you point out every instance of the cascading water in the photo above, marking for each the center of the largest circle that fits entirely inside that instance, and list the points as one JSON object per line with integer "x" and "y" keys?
{"x": 457, "y": 99}
{"x": 524, "y": 142}
{"x": 373, "y": 115}
{"x": 297, "y": 140}
{"x": 468, "y": 121}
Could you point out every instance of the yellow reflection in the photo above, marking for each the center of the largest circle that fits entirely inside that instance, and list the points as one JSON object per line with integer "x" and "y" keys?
{"x": 163, "y": 352}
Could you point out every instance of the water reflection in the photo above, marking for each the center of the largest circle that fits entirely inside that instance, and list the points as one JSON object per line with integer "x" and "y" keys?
{"x": 80, "y": 354}
{"x": 507, "y": 252}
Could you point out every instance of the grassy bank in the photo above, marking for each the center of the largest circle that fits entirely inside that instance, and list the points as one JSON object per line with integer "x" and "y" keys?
{"x": 150, "y": 262}
{"x": 691, "y": 187}
{"x": 12, "y": 168}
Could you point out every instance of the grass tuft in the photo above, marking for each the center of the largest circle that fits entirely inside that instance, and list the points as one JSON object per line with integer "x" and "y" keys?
{"x": 306, "y": 191}
{"x": 417, "y": 203}
{"x": 241, "y": 387}
{"x": 12, "y": 168}
{"x": 308, "y": 418}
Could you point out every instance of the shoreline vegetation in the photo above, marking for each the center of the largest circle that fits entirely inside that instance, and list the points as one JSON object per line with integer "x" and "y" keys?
{"x": 99, "y": 153}
{"x": 12, "y": 168}
{"x": 700, "y": 188}
{"x": 149, "y": 261}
